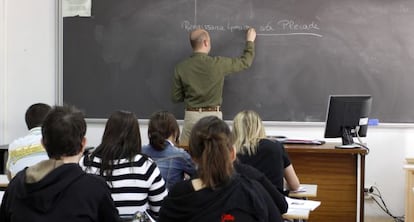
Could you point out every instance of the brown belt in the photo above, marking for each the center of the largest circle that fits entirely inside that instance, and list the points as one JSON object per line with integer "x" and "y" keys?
{"x": 204, "y": 109}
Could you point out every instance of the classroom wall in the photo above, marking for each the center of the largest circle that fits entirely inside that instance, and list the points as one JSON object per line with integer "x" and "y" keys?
{"x": 2, "y": 68}
{"x": 28, "y": 60}
{"x": 28, "y": 64}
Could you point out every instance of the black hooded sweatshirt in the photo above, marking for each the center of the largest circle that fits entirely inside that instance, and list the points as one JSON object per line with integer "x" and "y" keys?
{"x": 60, "y": 194}
{"x": 240, "y": 200}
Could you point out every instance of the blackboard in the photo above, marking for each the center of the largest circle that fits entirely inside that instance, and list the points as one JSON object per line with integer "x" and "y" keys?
{"x": 123, "y": 56}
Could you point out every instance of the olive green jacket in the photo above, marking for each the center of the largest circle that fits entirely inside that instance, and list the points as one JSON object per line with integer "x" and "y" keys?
{"x": 198, "y": 80}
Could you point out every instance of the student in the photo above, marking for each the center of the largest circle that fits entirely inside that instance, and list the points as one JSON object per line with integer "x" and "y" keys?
{"x": 268, "y": 156}
{"x": 174, "y": 162}
{"x": 135, "y": 180}
{"x": 28, "y": 150}
{"x": 198, "y": 80}
{"x": 58, "y": 189}
{"x": 218, "y": 194}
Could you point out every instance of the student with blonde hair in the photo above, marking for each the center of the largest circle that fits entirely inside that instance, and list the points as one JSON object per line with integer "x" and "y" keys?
{"x": 268, "y": 156}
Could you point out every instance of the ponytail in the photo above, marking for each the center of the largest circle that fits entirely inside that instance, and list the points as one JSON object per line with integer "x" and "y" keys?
{"x": 210, "y": 146}
{"x": 157, "y": 140}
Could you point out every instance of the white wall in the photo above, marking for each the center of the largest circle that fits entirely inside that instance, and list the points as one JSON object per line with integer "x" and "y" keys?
{"x": 28, "y": 72}
{"x": 2, "y": 68}
{"x": 28, "y": 64}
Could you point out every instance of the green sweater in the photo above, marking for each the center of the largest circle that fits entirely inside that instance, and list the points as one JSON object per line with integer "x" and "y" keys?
{"x": 198, "y": 80}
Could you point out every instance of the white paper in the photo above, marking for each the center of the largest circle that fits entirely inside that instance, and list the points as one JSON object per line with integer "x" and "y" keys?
{"x": 76, "y": 8}
{"x": 302, "y": 204}
{"x": 4, "y": 180}
{"x": 297, "y": 212}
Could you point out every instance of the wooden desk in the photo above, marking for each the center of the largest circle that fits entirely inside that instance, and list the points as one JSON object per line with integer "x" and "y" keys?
{"x": 339, "y": 174}
{"x": 409, "y": 190}
{"x": 299, "y": 214}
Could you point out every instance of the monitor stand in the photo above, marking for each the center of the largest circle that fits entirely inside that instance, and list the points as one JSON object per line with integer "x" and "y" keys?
{"x": 347, "y": 140}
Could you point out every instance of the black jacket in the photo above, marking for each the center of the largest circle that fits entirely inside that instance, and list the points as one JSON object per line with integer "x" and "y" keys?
{"x": 65, "y": 194}
{"x": 252, "y": 173}
{"x": 240, "y": 200}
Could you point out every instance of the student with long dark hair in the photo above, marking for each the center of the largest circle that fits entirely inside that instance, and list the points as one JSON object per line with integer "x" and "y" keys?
{"x": 135, "y": 180}
{"x": 219, "y": 193}
{"x": 174, "y": 163}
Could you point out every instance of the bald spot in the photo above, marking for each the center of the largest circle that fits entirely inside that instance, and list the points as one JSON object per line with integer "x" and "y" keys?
{"x": 197, "y": 37}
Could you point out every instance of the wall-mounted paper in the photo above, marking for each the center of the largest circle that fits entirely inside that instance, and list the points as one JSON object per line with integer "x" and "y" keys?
{"x": 76, "y": 8}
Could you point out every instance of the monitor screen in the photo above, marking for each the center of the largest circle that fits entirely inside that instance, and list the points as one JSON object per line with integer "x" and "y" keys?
{"x": 347, "y": 117}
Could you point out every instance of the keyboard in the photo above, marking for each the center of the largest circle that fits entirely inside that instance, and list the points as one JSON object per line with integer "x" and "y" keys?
{"x": 349, "y": 146}
{"x": 300, "y": 141}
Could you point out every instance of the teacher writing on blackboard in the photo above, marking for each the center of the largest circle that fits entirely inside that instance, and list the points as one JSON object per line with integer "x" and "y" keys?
{"x": 198, "y": 80}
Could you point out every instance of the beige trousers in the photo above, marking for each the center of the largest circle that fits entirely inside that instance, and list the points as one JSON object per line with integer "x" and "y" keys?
{"x": 190, "y": 118}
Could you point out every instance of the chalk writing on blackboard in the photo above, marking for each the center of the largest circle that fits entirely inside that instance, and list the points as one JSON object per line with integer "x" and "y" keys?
{"x": 271, "y": 28}
{"x": 288, "y": 26}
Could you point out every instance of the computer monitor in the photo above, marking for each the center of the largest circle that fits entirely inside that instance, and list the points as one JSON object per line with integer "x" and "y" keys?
{"x": 347, "y": 117}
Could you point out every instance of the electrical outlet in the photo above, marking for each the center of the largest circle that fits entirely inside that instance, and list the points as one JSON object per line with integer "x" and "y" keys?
{"x": 368, "y": 188}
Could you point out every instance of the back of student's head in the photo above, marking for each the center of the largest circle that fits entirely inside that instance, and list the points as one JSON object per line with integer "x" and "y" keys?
{"x": 161, "y": 126}
{"x": 121, "y": 140}
{"x": 247, "y": 131}
{"x": 122, "y": 136}
{"x": 211, "y": 147}
{"x": 63, "y": 131}
{"x": 36, "y": 114}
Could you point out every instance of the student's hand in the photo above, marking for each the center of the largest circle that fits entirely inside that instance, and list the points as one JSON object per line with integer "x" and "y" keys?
{"x": 251, "y": 34}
